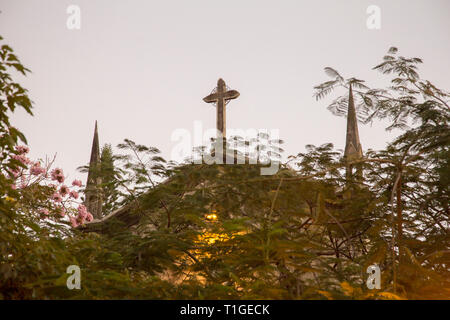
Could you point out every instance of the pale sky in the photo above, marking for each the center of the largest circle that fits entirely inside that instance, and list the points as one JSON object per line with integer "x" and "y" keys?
{"x": 141, "y": 68}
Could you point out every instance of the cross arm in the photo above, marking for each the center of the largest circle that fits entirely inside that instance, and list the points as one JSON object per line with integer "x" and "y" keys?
{"x": 211, "y": 98}
{"x": 231, "y": 94}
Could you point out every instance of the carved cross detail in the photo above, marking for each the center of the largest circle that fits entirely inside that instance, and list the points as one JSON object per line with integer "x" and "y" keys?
{"x": 221, "y": 97}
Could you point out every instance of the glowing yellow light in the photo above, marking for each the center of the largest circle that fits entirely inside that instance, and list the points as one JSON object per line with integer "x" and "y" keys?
{"x": 211, "y": 217}
{"x": 211, "y": 238}
{"x": 9, "y": 199}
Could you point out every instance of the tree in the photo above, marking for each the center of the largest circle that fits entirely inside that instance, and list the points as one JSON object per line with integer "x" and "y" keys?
{"x": 227, "y": 232}
{"x": 35, "y": 251}
{"x": 108, "y": 175}
{"x": 409, "y": 173}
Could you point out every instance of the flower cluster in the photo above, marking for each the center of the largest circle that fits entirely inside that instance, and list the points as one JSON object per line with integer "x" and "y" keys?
{"x": 57, "y": 174}
{"x": 83, "y": 215}
{"x": 63, "y": 201}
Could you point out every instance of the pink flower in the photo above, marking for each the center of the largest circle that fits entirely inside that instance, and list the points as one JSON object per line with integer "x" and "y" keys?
{"x": 55, "y": 172}
{"x": 74, "y": 194}
{"x": 21, "y": 158}
{"x": 58, "y": 175}
{"x": 22, "y": 149}
{"x": 89, "y": 217}
{"x": 57, "y": 197}
{"x": 73, "y": 221}
{"x": 64, "y": 190}
{"x": 82, "y": 211}
{"x": 13, "y": 186}
{"x": 82, "y": 214}
{"x": 36, "y": 169}
{"x": 44, "y": 211}
{"x": 77, "y": 183}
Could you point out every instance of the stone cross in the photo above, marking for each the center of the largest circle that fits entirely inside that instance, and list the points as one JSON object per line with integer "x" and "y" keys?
{"x": 221, "y": 97}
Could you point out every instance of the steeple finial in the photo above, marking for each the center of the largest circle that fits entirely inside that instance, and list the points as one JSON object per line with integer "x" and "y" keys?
{"x": 95, "y": 152}
{"x": 93, "y": 199}
{"x": 353, "y": 148}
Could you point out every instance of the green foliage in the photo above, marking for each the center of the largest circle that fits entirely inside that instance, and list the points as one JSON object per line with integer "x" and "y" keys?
{"x": 410, "y": 176}
{"x": 108, "y": 174}
{"x": 35, "y": 253}
{"x": 197, "y": 231}
{"x": 12, "y": 96}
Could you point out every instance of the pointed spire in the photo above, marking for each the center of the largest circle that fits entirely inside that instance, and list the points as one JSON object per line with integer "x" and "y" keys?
{"x": 95, "y": 152}
{"x": 93, "y": 201}
{"x": 353, "y": 148}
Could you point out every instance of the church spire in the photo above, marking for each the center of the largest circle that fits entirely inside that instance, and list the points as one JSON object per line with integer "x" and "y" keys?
{"x": 95, "y": 152}
{"x": 353, "y": 149}
{"x": 93, "y": 199}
